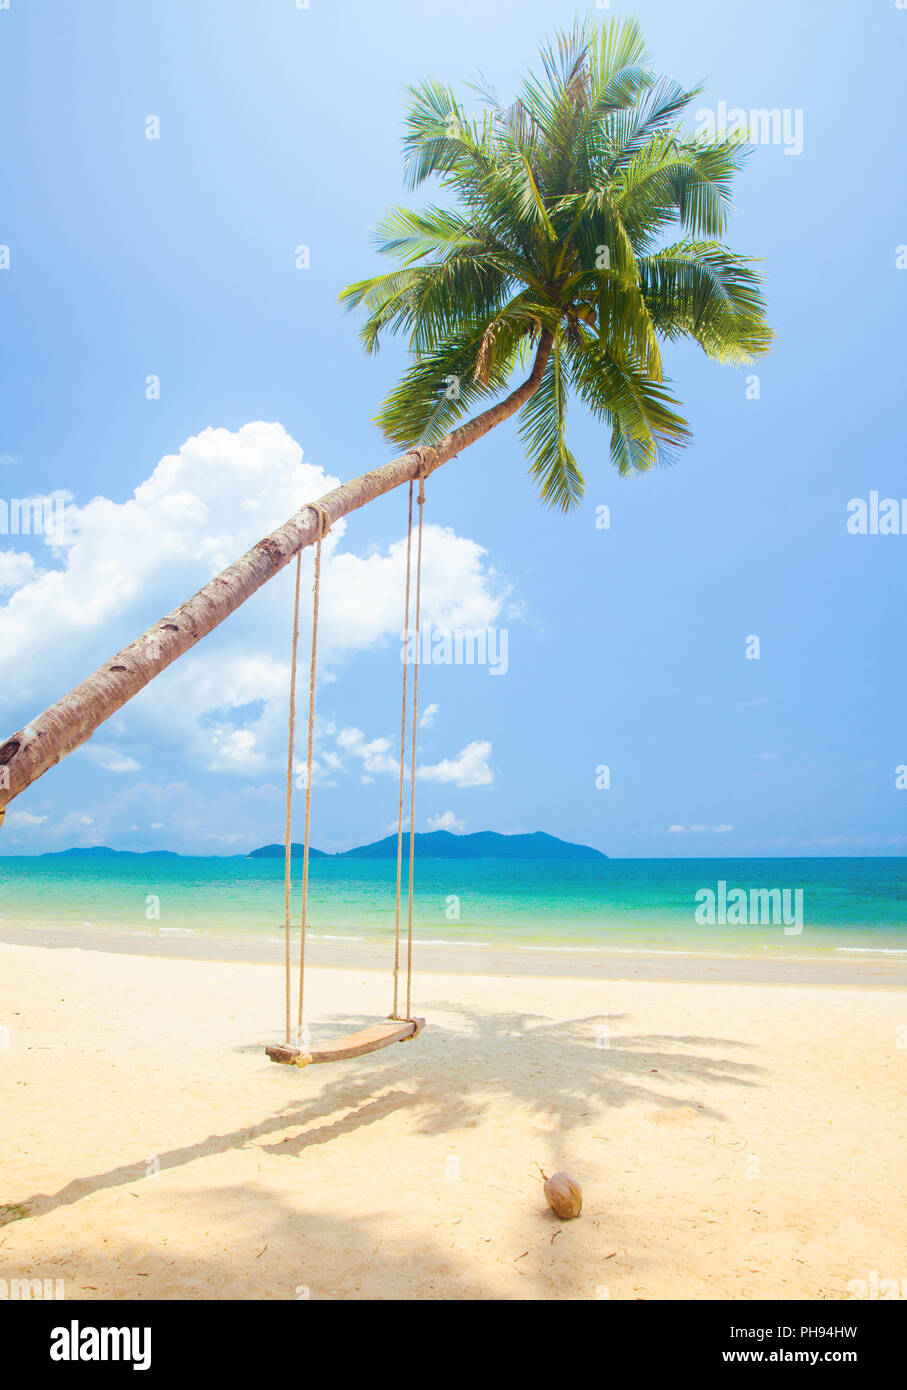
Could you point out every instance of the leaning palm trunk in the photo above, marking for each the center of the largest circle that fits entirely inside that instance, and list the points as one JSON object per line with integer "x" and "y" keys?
{"x": 70, "y": 722}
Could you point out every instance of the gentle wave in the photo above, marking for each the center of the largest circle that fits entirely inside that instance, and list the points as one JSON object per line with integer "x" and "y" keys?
{"x": 870, "y": 950}
{"x": 619, "y": 950}
{"x": 483, "y": 945}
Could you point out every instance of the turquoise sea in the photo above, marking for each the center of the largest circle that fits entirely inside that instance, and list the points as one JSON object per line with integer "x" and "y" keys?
{"x": 856, "y": 906}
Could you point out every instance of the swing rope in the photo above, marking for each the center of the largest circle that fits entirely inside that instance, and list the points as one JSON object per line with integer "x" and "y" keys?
{"x": 400, "y": 800}
{"x": 409, "y": 547}
{"x": 324, "y": 526}
{"x": 412, "y": 773}
{"x": 288, "y": 832}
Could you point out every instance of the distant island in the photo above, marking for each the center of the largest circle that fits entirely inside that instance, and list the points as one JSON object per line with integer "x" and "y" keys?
{"x": 443, "y": 844}
{"x": 105, "y": 852}
{"x": 296, "y": 851}
{"x": 433, "y": 844}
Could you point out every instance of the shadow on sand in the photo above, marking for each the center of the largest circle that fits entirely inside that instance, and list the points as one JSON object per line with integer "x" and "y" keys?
{"x": 449, "y": 1079}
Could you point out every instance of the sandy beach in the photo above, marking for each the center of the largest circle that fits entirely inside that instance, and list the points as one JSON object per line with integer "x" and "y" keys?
{"x": 732, "y": 1140}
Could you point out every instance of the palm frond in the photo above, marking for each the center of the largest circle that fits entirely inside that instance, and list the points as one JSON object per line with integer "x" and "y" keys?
{"x": 441, "y": 385}
{"x": 542, "y": 424}
{"x": 675, "y": 181}
{"x": 646, "y": 429}
{"x": 701, "y": 290}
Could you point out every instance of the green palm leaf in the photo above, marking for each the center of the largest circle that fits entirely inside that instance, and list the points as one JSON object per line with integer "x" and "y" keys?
{"x": 579, "y": 230}
{"x": 542, "y": 423}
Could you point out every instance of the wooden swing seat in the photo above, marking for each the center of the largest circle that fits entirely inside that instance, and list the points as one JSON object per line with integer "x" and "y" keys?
{"x": 370, "y": 1039}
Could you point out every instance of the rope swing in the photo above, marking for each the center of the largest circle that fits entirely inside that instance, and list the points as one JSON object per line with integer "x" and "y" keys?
{"x": 397, "y": 1029}
{"x": 412, "y": 766}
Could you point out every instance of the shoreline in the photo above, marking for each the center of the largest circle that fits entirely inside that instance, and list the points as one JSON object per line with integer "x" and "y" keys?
{"x": 849, "y": 969}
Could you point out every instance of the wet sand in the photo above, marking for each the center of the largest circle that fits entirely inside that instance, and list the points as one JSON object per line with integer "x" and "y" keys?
{"x": 775, "y": 967}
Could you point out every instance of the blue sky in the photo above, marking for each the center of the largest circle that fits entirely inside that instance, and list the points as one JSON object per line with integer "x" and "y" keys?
{"x": 627, "y": 647}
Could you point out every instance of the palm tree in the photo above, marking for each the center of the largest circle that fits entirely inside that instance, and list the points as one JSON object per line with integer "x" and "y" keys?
{"x": 551, "y": 254}
{"x": 553, "y": 251}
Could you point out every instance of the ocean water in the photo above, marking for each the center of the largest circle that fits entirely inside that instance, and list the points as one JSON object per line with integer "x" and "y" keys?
{"x": 856, "y": 906}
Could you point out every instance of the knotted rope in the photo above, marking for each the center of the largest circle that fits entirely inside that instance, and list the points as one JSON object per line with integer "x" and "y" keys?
{"x": 409, "y": 546}
{"x": 324, "y": 525}
{"x": 412, "y": 774}
{"x": 423, "y": 472}
{"x": 288, "y": 830}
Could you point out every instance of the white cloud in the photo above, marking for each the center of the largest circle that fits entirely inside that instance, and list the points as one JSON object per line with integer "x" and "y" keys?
{"x": 468, "y": 769}
{"x": 23, "y": 820}
{"x": 16, "y": 568}
{"x": 373, "y": 753}
{"x": 253, "y": 814}
{"x": 110, "y": 758}
{"x": 699, "y": 829}
{"x": 428, "y": 716}
{"x": 446, "y": 821}
{"x": 362, "y": 598}
{"x": 353, "y": 752}
{"x": 223, "y": 706}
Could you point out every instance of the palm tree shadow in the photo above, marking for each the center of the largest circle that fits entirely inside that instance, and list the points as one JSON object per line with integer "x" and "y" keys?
{"x": 275, "y": 1248}
{"x": 564, "y": 1070}
{"x": 450, "y": 1078}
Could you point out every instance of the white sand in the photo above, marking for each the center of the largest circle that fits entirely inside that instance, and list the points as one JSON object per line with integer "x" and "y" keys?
{"x": 741, "y": 1140}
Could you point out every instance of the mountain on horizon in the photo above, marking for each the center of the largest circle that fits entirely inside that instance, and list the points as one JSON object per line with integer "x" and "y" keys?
{"x": 444, "y": 844}
{"x": 278, "y": 851}
{"x": 430, "y": 844}
{"x": 105, "y": 852}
